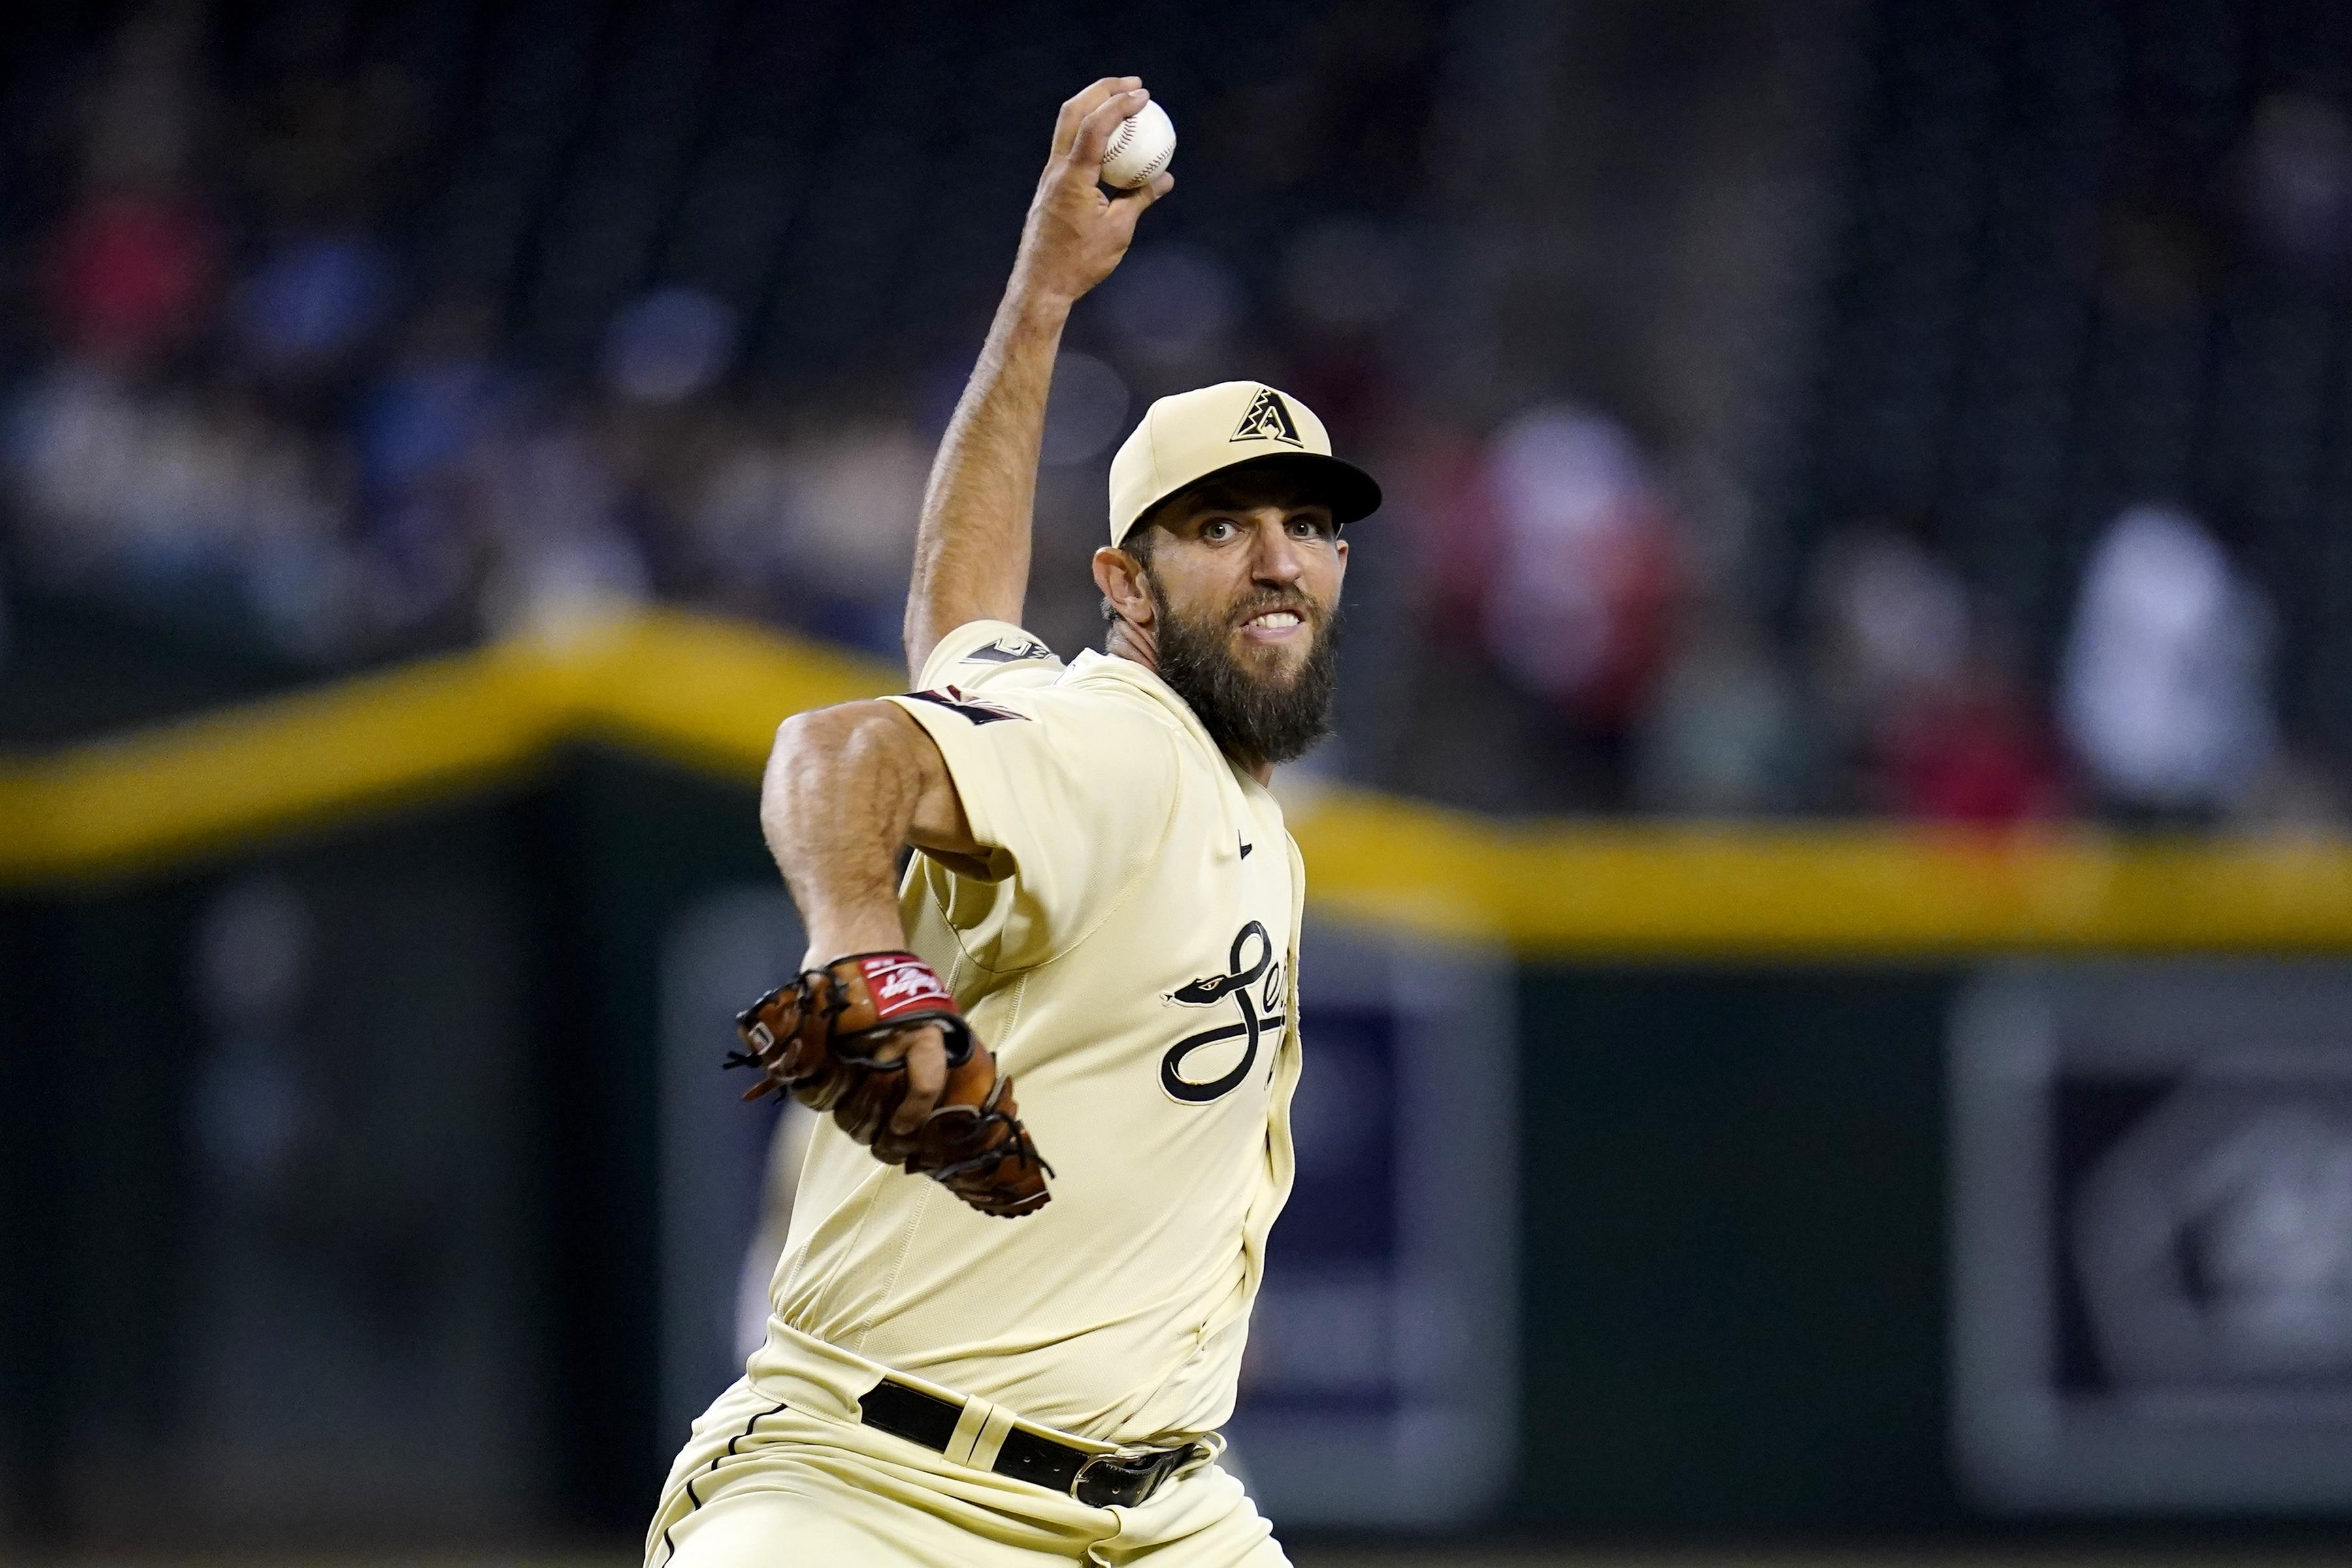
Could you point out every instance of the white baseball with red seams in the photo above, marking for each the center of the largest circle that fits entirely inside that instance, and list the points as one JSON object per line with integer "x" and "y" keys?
{"x": 1141, "y": 147}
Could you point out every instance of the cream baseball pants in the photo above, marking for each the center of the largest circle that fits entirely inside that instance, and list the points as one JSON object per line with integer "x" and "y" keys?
{"x": 780, "y": 1473}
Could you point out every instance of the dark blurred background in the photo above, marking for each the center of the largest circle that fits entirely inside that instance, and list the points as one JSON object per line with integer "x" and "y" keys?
{"x": 1794, "y": 416}
{"x": 1929, "y": 411}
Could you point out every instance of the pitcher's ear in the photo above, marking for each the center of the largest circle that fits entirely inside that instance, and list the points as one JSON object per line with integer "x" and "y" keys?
{"x": 1126, "y": 589}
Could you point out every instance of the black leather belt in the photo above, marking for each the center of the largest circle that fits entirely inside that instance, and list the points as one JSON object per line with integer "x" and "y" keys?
{"x": 1096, "y": 1480}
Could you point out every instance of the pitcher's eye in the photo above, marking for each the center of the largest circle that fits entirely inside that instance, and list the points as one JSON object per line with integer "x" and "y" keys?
{"x": 1217, "y": 530}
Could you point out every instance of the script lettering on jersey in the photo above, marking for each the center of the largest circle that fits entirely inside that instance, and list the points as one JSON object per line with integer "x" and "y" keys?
{"x": 902, "y": 985}
{"x": 1253, "y": 984}
{"x": 971, "y": 708}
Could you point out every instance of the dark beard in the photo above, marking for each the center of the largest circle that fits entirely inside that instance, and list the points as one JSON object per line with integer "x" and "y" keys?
{"x": 1252, "y": 720}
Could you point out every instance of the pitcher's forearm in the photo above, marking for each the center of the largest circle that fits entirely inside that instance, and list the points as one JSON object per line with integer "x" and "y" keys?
{"x": 972, "y": 551}
{"x": 836, "y": 805}
{"x": 847, "y": 789}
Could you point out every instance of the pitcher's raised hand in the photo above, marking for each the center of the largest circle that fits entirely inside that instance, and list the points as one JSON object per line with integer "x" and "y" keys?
{"x": 1078, "y": 231}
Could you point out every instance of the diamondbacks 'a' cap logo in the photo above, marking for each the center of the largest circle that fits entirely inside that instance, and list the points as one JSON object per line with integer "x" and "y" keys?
{"x": 1268, "y": 419}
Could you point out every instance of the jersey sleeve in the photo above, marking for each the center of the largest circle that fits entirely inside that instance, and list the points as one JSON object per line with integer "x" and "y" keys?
{"x": 990, "y": 655}
{"x": 1070, "y": 789}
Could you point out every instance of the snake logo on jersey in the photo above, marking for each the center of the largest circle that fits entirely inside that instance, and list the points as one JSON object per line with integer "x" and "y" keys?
{"x": 1253, "y": 983}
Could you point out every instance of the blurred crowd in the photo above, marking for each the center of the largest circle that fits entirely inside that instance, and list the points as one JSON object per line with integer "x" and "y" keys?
{"x": 247, "y": 417}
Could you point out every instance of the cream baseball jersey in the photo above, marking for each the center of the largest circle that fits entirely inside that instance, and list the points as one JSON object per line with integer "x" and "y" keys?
{"x": 1129, "y": 951}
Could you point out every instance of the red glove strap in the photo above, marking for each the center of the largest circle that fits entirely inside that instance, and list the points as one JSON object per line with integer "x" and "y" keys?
{"x": 901, "y": 984}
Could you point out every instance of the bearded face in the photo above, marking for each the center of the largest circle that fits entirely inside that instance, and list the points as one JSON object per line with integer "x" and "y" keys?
{"x": 1230, "y": 590}
{"x": 1260, "y": 704}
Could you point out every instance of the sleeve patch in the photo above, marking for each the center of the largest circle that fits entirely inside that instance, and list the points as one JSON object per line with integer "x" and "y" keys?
{"x": 1007, "y": 650}
{"x": 971, "y": 708}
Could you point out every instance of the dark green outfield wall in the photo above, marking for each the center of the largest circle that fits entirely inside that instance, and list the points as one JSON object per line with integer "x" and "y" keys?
{"x": 1732, "y": 1257}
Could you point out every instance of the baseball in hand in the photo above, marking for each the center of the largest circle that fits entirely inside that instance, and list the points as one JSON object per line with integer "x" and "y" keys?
{"x": 1139, "y": 148}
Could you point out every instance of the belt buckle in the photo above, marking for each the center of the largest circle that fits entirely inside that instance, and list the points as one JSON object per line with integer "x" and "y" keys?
{"x": 1155, "y": 1465}
{"x": 1116, "y": 1458}
{"x": 1086, "y": 1465}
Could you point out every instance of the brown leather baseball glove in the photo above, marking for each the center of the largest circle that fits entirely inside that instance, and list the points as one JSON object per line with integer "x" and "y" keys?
{"x": 835, "y": 1039}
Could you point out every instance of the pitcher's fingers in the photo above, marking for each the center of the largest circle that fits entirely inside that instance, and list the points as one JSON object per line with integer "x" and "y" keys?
{"x": 927, "y": 1077}
{"x": 1083, "y": 103}
{"x": 1143, "y": 196}
{"x": 1127, "y": 207}
{"x": 1095, "y": 131}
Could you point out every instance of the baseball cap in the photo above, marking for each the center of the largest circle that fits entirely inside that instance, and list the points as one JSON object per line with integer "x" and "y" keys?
{"x": 1188, "y": 437}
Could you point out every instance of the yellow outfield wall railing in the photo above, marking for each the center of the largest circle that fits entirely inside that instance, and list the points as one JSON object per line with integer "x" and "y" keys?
{"x": 709, "y": 694}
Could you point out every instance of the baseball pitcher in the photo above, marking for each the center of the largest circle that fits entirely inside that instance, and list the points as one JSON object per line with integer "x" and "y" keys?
{"x": 1057, "y": 1056}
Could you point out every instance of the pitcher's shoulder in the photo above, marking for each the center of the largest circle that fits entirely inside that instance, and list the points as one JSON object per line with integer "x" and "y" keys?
{"x": 992, "y": 655}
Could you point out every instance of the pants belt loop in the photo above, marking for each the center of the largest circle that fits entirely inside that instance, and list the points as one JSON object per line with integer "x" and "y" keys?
{"x": 991, "y": 1440}
{"x": 968, "y": 1427}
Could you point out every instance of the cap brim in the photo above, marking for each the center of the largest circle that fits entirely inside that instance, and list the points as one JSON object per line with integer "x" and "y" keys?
{"x": 1351, "y": 493}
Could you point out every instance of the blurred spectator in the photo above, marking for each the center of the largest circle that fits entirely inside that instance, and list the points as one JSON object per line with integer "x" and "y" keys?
{"x": 663, "y": 357}
{"x": 561, "y": 559}
{"x": 2165, "y": 687}
{"x": 856, "y": 490}
{"x": 314, "y": 301}
{"x": 170, "y": 501}
{"x": 72, "y": 438}
{"x": 1727, "y": 736}
{"x": 1576, "y": 607}
{"x": 1919, "y": 697}
{"x": 1438, "y": 489}
{"x": 281, "y": 510}
{"x": 412, "y": 435}
{"x": 133, "y": 265}
{"x": 669, "y": 346}
{"x": 130, "y": 275}
{"x": 1890, "y": 624}
{"x": 435, "y": 394}
{"x": 739, "y": 524}
{"x": 1969, "y": 749}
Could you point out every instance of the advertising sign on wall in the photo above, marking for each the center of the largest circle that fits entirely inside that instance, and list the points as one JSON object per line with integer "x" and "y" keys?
{"x": 2152, "y": 1264}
